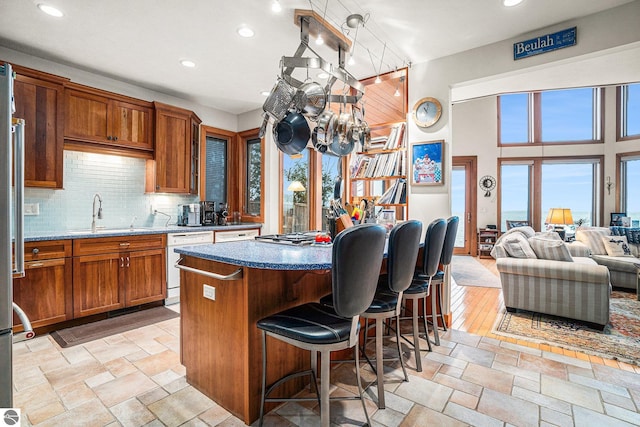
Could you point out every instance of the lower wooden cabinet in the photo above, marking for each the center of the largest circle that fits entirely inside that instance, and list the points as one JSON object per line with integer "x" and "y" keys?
{"x": 44, "y": 293}
{"x": 116, "y": 272}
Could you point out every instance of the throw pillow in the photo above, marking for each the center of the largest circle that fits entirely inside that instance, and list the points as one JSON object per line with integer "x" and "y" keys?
{"x": 525, "y": 231}
{"x": 517, "y": 246}
{"x": 550, "y": 248}
{"x": 593, "y": 239}
{"x": 616, "y": 245}
{"x": 553, "y": 235}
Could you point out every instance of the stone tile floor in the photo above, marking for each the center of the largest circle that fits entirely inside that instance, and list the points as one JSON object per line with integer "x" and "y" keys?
{"x": 135, "y": 379}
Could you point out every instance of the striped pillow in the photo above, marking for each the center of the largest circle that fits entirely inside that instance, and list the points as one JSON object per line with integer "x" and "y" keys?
{"x": 593, "y": 239}
{"x": 517, "y": 246}
{"x": 550, "y": 248}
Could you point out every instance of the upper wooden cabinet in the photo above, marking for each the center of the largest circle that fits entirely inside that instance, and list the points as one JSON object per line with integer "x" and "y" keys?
{"x": 39, "y": 101}
{"x": 106, "y": 118}
{"x": 175, "y": 169}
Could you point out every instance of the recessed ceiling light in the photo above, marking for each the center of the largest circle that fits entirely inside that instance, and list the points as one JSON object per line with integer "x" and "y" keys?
{"x": 323, "y": 75}
{"x": 50, "y": 10}
{"x": 265, "y": 93}
{"x": 245, "y": 32}
{"x": 187, "y": 63}
{"x": 509, "y": 3}
{"x": 276, "y": 7}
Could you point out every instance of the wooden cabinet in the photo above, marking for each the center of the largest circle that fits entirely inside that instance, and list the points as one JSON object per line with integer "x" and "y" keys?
{"x": 106, "y": 118}
{"x": 486, "y": 239}
{"x": 39, "y": 101}
{"x": 116, "y": 272}
{"x": 45, "y": 292}
{"x": 175, "y": 169}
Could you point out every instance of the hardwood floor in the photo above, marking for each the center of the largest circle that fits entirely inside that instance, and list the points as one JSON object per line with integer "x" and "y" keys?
{"x": 475, "y": 309}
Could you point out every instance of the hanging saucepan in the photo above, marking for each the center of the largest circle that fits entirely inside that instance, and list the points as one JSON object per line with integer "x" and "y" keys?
{"x": 311, "y": 99}
{"x": 280, "y": 100}
{"x": 292, "y": 133}
{"x": 365, "y": 136}
{"x": 314, "y": 139}
{"x": 326, "y": 126}
{"x": 341, "y": 141}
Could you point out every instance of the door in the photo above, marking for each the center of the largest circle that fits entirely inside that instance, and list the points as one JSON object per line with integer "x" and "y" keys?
{"x": 96, "y": 284}
{"x": 463, "y": 202}
{"x": 145, "y": 276}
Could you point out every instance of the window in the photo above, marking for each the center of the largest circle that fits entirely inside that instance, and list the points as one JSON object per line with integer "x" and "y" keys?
{"x": 215, "y": 168}
{"x": 557, "y": 116}
{"x": 331, "y": 169}
{"x": 629, "y": 111}
{"x": 530, "y": 187}
{"x": 251, "y": 170}
{"x": 629, "y": 188}
{"x": 295, "y": 192}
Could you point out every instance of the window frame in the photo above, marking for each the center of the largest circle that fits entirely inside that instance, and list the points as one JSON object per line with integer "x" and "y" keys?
{"x": 621, "y": 188}
{"x": 314, "y": 189}
{"x": 535, "y": 121}
{"x": 242, "y": 188}
{"x": 535, "y": 185}
{"x": 621, "y": 116}
{"x": 230, "y": 138}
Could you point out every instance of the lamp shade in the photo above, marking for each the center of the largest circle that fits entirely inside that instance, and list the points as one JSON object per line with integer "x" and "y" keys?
{"x": 297, "y": 186}
{"x": 559, "y": 216}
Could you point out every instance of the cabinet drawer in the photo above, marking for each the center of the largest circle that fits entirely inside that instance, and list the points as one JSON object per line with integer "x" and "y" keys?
{"x": 103, "y": 245}
{"x": 47, "y": 249}
{"x": 235, "y": 235}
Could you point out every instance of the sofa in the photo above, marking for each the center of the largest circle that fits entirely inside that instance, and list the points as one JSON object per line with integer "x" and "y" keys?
{"x": 541, "y": 273}
{"x": 617, "y": 248}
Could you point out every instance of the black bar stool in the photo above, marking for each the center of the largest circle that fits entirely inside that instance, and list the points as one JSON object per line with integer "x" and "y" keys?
{"x": 438, "y": 281}
{"x": 421, "y": 284}
{"x": 356, "y": 260}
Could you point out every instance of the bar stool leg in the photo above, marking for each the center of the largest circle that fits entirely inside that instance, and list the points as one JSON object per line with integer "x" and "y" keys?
{"x": 380, "y": 364}
{"x": 364, "y": 407}
{"x": 404, "y": 370}
{"x": 416, "y": 335}
{"x": 426, "y": 324}
{"x": 434, "y": 317}
{"x": 324, "y": 388}
{"x": 264, "y": 375}
{"x": 440, "y": 313}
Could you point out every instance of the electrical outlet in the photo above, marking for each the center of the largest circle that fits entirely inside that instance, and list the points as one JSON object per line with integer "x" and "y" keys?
{"x": 209, "y": 292}
{"x": 32, "y": 208}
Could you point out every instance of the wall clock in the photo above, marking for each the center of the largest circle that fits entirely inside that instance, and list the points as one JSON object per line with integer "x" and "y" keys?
{"x": 487, "y": 183}
{"x": 426, "y": 112}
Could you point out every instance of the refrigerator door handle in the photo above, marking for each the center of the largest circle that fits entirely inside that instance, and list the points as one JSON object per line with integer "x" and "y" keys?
{"x": 28, "y": 333}
{"x": 19, "y": 206}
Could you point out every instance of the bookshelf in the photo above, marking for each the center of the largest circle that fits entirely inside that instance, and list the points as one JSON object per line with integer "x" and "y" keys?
{"x": 486, "y": 239}
{"x": 378, "y": 171}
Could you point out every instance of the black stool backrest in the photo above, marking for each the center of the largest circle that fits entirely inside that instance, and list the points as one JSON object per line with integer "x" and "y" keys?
{"x": 433, "y": 242}
{"x": 402, "y": 253}
{"x": 449, "y": 240}
{"x": 356, "y": 261}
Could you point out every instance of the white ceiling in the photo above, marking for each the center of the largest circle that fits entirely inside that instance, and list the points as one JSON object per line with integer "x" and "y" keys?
{"x": 142, "y": 41}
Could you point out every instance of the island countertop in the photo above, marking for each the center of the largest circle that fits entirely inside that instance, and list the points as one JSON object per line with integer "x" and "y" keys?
{"x": 263, "y": 255}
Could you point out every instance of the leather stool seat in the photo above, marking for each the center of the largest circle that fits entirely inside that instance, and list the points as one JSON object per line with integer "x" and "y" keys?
{"x": 312, "y": 323}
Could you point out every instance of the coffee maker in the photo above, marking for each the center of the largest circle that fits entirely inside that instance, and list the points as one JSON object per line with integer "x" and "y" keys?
{"x": 222, "y": 213}
{"x": 208, "y": 214}
{"x": 189, "y": 215}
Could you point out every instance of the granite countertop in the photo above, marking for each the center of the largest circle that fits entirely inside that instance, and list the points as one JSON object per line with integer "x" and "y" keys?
{"x": 108, "y": 232}
{"x": 270, "y": 256}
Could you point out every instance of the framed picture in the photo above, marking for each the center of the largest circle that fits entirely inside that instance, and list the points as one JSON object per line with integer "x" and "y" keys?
{"x": 616, "y": 218}
{"x": 427, "y": 163}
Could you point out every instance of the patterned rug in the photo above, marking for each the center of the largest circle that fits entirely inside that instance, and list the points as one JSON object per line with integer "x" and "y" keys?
{"x": 620, "y": 339}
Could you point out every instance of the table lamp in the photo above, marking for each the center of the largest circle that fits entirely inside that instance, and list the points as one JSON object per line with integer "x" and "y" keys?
{"x": 559, "y": 217}
{"x": 294, "y": 187}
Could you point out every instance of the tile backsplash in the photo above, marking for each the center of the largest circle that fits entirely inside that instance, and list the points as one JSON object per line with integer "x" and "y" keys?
{"x": 119, "y": 180}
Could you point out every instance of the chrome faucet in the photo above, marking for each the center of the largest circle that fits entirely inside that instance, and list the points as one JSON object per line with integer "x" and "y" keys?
{"x": 93, "y": 222}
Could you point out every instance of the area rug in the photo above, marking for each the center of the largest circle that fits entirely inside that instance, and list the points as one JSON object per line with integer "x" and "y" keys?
{"x": 115, "y": 325}
{"x": 620, "y": 339}
{"x": 467, "y": 271}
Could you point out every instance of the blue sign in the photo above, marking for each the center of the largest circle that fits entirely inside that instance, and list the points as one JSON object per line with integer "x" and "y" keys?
{"x": 545, "y": 43}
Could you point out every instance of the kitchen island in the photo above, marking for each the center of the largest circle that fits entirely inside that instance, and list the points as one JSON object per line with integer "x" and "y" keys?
{"x": 221, "y": 347}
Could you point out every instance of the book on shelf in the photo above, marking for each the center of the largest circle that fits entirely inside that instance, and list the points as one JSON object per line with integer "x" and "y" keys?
{"x": 396, "y": 137}
{"x": 395, "y": 194}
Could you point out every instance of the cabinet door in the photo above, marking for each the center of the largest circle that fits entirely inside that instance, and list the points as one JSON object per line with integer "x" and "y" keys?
{"x": 86, "y": 117}
{"x": 44, "y": 293}
{"x": 145, "y": 277}
{"x": 39, "y": 103}
{"x": 97, "y": 286}
{"x": 131, "y": 125}
{"x": 173, "y": 151}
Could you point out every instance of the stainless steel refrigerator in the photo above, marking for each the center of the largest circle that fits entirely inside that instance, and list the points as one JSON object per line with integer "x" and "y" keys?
{"x": 11, "y": 226}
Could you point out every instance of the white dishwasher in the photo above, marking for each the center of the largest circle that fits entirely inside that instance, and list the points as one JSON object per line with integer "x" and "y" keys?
{"x": 173, "y": 274}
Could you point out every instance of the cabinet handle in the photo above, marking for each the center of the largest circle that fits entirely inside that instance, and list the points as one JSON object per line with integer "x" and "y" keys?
{"x": 109, "y": 137}
{"x": 125, "y": 244}
{"x": 121, "y": 262}
{"x": 35, "y": 251}
{"x": 115, "y": 138}
{"x": 128, "y": 262}
{"x": 35, "y": 265}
